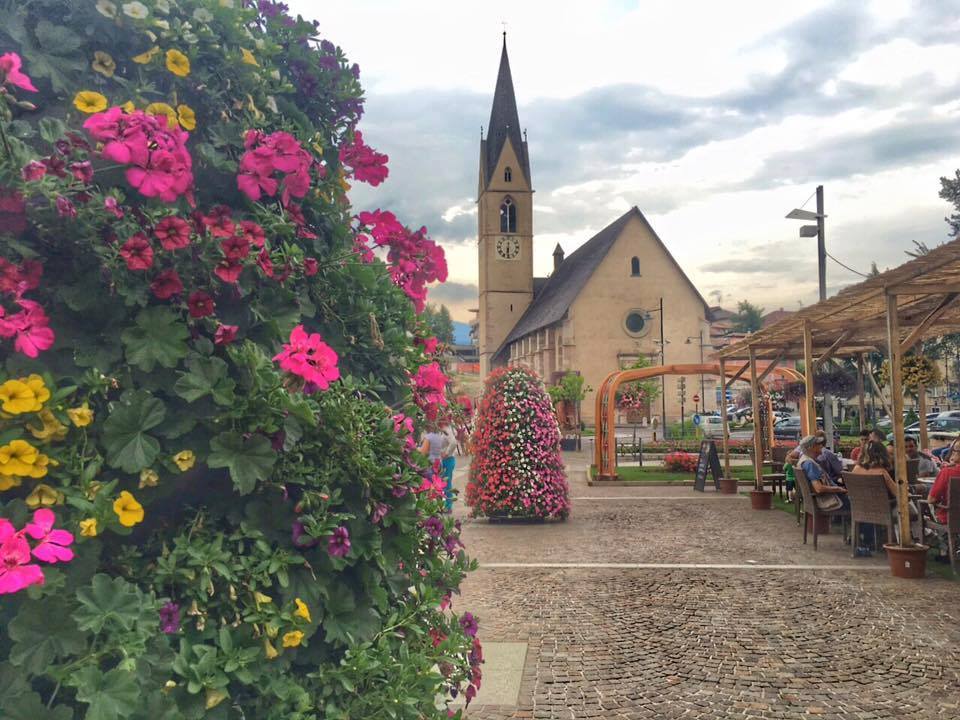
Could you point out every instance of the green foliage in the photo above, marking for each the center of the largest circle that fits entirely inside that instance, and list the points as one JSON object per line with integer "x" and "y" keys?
{"x": 243, "y": 473}
{"x": 571, "y": 388}
{"x": 440, "y": 323}
{"x": 749, "y": 317}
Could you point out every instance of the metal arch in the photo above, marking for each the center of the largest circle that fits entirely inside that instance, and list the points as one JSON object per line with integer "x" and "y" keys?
{"x": 605, "y": 446}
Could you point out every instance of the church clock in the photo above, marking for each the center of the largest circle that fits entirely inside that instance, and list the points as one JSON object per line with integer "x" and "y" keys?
{"x": 508, "y": 247}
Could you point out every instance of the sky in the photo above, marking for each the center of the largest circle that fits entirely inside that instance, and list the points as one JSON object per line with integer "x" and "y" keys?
{"x": 714, "y": 118}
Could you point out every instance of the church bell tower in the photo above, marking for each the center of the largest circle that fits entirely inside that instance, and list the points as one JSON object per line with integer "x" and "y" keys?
{"x": 504, "y": 221}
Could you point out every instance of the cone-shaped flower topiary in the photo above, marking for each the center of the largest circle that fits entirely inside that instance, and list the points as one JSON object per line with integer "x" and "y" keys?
{"x": 517, "y": 468}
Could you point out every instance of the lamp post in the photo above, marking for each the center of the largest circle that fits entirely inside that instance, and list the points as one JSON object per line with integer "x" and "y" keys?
{"x": 699, "y": 339}
{"x": 663, "y": 381}
{"x": 818, "y": 231}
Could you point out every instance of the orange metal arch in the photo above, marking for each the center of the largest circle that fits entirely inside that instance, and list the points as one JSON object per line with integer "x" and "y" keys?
{"x": 605, "y": 446}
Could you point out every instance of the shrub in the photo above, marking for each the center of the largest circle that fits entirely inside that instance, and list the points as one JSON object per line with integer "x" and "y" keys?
{"x": 679, "y": 461}
{"x": 211, "y": 504}
{"x": 517, "y": 468}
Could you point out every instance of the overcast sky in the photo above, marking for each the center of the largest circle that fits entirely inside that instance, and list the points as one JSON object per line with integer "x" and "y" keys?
{"x": 714, "y": 118}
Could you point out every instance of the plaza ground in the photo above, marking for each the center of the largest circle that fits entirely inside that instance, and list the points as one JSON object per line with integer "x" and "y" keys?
{"x": 659, "y": 602}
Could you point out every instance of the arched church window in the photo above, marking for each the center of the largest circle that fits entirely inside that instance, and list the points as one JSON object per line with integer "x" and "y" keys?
{"x": 634, "y": 266}
{"x": 507, "y": 175}
{"x": 508, "y": 216}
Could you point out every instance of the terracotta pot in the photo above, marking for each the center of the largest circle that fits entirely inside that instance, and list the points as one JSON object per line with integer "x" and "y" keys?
{"x": 728, "y": 486}
{"x": 907, "y": 562}
{"x": 761, "y": 499}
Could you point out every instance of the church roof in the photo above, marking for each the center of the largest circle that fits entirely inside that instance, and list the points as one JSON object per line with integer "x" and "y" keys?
{"x": 550, "y": 305}
{"x": 504, "y": 122}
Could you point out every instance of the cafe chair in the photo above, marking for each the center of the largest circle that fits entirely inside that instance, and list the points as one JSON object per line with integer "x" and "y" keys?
{"x": 810, "y": 509}
{"x": 951, "y": 528}
{"x": 869, "y": 505}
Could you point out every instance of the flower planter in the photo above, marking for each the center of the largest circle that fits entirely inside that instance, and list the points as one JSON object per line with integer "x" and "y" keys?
{"x": 569, "y": 444}
{"x": 761, "y": 499}
{"x": 728, "y": 486}
{"x": 907, "y": 562}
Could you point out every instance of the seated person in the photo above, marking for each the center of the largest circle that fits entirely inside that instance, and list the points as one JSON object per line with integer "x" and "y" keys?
{"x": 938, "y": 493}
{"x": 874, "y": 460}
{"x": 926, "y": 467}
{"x": 944, "y": 452}
{"x": 864, "y": 439}
{"x": 820, "y": 483}
{"x": 829, "y": 461}
{"x": 877, "y": 436}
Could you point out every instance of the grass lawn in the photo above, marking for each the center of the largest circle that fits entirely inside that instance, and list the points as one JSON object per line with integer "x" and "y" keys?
{"x": 660, "y": 476}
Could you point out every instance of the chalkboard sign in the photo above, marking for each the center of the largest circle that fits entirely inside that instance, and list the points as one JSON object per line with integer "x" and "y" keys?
{"x": 708, "y": 460}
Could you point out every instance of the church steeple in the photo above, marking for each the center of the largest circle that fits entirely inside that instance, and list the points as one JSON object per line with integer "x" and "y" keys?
{"x": 504, "y": 122}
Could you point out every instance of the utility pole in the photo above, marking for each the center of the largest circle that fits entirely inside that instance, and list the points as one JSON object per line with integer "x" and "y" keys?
{"x": 822, "y": 272}
{"x": 663, "y": 378}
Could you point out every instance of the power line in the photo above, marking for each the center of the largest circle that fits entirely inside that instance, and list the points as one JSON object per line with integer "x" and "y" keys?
{"x": 847, "y": 267}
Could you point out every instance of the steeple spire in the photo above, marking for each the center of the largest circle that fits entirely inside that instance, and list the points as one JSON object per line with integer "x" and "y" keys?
{"x": 504, "y": 120}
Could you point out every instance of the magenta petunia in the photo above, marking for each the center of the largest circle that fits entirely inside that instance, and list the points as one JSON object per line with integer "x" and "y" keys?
{"x": 137, "y": 252}
{"x": 10, "y": 73}
{"x": 307, "y": 356}
{"x": 338, "y": 544}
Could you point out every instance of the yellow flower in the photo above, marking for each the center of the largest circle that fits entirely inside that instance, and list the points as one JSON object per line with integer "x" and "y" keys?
{"x": 292, "y": 639}
{"x": 260, "y": 599}
{"x": 87, "y": 101}
{"x": 185, "y": 460}
{"x": 145, "y": 57}
{"x": 302, "y": 609}
{"x": 81, "y": 416}
{"x": 21, "y": 459}
{"x": 178, "y": 63}
{"x": 159, "y": 108}
{"x": 8, "y": 482}
{"x": 248, "y": 57}
{"x": 103, "y": 63}
{"x": 187, "y": 117}
{"x": 44, "y": 496}
{"x": 128, "y": 106}
{"x": 92, "y": 489}
{"x": 214, "y": 698}
{"x": 52, "y": 428}
{"x": 23, "y": 395}
{"x": 269, "y": 650}
{"x": 128, "y": 509}
{"x": 88, "y": 527}
{"x": 148, "y": 478}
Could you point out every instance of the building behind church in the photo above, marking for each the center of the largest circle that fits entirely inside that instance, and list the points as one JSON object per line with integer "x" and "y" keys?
{"x": 600, "y": 308}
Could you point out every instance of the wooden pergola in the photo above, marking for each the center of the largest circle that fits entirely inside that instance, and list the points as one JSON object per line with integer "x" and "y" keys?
{"x": 890, "y": 314}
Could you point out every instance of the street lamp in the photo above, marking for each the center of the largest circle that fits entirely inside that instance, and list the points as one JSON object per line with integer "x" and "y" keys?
{"x": 699, "y": 339}
{"x": 818, "y": 231}
{"x": 663, "y": 381}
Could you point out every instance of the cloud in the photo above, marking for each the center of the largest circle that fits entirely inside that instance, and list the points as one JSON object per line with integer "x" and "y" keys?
{"x": 454, "y": 292}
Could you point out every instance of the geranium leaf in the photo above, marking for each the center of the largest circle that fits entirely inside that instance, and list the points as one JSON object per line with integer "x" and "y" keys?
{"x": 109, "y": 600}
{"x": 159, "y": 336}
{"x": 30, "y": 706}
{"x": 129, "y": 447}
{"x": 206, "y": 376}
{"x": 42, "y": 632}
{"x": 248, "y": 460}
{"x": 111, "y": 696}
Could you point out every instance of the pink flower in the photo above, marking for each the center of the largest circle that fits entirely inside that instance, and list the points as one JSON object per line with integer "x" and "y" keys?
{"x": 53, "y": 545}
{"x": 82, "y": 171}
{"x": 338, "y": 544}
{"x": 225, "y": 334}
{"x": 166, "y": 285}
{"x": 307, "y": 356}
{"x": 434, "y": 486}
{"x": 229, "y": 271}
{"x": 138, "y": 252}
{"x": 267, "y": 155}
{"x": 235, "y": 248}
{"x": 219, "y": 222}
{"x": 10, "y": 72}
{"x": 16, "y": 572}
{"x": 265, "y": 263}
{"x": 65, "y": 208}
{"x": 29, "y": 328}
{"x": 200, "y": 304}
{"x": 111, "y": 206}
{"x": 366, "y": 164}
{"x": 310, "y": 266}
{"x": 33, "y": 171}
{"x": 252, "y": 232}
{"x": 173, "y": 233}
{"x": 429, "y": 344}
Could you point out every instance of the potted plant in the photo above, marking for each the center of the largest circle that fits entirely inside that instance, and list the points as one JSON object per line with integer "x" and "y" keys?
{"x": 567, "y": 395}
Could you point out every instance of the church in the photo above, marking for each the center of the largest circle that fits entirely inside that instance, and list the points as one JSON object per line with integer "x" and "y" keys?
{"x": 619, "y": 296}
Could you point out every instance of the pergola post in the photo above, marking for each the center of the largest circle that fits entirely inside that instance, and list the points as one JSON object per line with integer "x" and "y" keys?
{"x": 924, "y": 437}
{"x": 810, "y": 399}
{"x": 723, "y": 416}
{"x": 861, "y": 402}
{"x": 896, "y": 407}
{"x": 757, "y": 433}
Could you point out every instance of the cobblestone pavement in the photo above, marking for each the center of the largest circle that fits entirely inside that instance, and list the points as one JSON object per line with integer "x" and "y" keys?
{"x": 707, "y": 642}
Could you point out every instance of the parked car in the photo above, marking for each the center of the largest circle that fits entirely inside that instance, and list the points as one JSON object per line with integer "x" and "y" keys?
{"x": 790, "y": 428}
{"x": 712, "y": 425}
{"x": 940, "y": 425}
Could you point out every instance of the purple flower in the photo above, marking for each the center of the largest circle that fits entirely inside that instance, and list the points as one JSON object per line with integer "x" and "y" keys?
{"x": 469, "y": 624}
{"x": 33, "y": 171}
{"x": 434, "y": 526}
{"x": 452, "y": 543}
{"x": 170, "y": 618}
{"x": 338, "y": 545}
{"x": 297, "y": 533}
{"x": 65, "y": 208}
{"x": 82, "y": 171}
{"x": 379, "y": 512}
{"x": 399, "y": 491}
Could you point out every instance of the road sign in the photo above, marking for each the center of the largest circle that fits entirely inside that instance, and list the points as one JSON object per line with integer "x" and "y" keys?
{"x": 696, "y": 419}
{"x": 729, "y": 395}
{"x": 696, "y": 398}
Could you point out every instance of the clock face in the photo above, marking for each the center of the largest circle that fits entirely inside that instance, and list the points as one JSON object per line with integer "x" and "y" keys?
{"x": 508, "y": 247}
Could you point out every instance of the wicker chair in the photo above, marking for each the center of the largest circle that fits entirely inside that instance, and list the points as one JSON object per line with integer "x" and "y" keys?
{"x": 811, "y": 510}
{"x": 869, "y": 503}
{"x": 913, "y": 471}
{"x": 952, "y": 527}
{"x": 779, "y": 457}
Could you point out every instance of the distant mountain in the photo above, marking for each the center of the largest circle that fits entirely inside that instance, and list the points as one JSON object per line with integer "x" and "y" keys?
{"x": 461, "y": 333}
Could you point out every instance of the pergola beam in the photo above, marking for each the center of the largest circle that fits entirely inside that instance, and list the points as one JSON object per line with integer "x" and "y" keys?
{"x": 810, "y": 398}
{"x": 918, "y": 332}
{"x": 912, "y": 288}
{"x": 830, "y": 351}
{"x": 736, "y": 376}
{"x": 770, "y": 368}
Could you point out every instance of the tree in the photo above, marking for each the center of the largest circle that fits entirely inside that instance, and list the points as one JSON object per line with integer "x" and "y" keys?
{"x": 440, "y": 322}
{"x": 208, "y": 380}
{"x": 950, "y": 191}
{"x": 517, "y": 468}
{"x": 749, "y": 317}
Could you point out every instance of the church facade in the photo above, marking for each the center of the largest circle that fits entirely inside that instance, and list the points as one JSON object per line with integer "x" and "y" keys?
{"x": 620, "y": 296}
